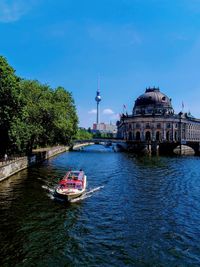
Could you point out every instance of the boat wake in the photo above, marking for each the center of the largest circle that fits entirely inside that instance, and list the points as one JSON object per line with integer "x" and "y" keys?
{"x": 86, "y": 194}
{"x": 50, "y": 193}
{"x": 39, "y": 178}
{"x": 51, "y": 190}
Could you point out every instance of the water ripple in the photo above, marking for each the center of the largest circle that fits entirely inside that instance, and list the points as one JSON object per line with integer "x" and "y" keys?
{"x": 137, "y": 211}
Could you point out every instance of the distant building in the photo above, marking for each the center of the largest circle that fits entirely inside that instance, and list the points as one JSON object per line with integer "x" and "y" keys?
{"x": 104, "y": 128}
{"x": 153, "y": 119}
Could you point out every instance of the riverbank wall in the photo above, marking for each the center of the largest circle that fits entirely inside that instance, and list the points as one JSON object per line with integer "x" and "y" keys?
{"x": 10, "y": 167}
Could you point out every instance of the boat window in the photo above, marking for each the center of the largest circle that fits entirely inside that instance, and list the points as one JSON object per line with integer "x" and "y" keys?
{"x": 71, "y": 185}
{"x": 74, "y": 175}
{"x": 80, "y": 176}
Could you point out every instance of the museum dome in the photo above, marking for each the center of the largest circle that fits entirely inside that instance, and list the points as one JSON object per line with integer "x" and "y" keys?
{"x": 153, "y": 102}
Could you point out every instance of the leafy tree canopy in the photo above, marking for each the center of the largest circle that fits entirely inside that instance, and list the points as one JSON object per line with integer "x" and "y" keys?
{"x": 83, "y": 135}
{"x": 10, "y": 104}
{"x": 33, "y": 114}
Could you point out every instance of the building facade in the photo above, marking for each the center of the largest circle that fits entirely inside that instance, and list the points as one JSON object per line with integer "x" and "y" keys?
{"x": 105, "y": 128}
{"x": 153, "y": 119}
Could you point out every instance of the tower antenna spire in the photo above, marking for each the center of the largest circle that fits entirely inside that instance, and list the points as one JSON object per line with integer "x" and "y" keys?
{"x": 98, "y": 98}
{"x": 98, "y": 83}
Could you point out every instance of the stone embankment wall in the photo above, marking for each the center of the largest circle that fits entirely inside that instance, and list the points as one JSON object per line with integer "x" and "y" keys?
{"x": 11, "y": 167}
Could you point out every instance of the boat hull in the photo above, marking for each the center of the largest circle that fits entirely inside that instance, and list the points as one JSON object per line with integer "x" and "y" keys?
{"x": 69, "y": 194}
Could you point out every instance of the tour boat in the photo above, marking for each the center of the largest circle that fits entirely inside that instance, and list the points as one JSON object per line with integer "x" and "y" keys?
{"x": 72, "y": 185}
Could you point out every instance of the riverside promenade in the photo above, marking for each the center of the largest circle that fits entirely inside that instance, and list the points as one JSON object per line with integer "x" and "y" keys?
{"x": 15, "y": 164}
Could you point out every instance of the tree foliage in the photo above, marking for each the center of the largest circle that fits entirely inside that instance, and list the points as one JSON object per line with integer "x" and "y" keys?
{"x": 83, "y": 135}
{"x": 33, "y": 114}
{"x": 10, "y": 105}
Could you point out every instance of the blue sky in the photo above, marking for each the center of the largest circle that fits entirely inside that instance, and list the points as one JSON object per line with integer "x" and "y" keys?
{"x": 132, "y": 44}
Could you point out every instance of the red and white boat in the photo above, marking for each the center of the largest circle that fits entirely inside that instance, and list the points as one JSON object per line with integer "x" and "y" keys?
{"x": 72, "y": 185}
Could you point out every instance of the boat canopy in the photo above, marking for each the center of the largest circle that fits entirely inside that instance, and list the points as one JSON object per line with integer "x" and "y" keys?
{"x": 74, "y": 175}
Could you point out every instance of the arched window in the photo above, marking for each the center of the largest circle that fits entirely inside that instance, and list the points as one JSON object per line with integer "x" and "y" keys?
{"x": 137, "y": 136}
{"x": 157, "y": 136}
{"x": 130, "y": 136}
{"x": 168, "y": 136}
{"x": 148, "y": 136}
{"x": 176, "y": 136}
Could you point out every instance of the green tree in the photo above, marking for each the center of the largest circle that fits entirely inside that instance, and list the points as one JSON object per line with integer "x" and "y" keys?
{"x": 65, "y": 116}
{"x": 33, "y": 114}
{"x": 10, "y": 103}
{"x": 50, "y": 115}
{"x": 83, "y": 135}
{"x": 37, "y": 114}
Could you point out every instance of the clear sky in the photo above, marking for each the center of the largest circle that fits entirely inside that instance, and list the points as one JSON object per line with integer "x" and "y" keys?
{"x": 132, "y": 44}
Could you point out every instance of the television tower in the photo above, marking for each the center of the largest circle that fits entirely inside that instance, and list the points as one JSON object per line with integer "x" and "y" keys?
{"x": 98, "y": 99}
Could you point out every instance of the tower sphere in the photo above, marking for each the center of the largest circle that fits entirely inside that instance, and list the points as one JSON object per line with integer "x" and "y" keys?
{"x": 98, "y": 98}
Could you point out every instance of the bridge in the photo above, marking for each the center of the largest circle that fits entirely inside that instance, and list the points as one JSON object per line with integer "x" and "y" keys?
{"x": 99, "y": 141}
{"x": 146, "y": 147}
{"x": 78, "y": 144}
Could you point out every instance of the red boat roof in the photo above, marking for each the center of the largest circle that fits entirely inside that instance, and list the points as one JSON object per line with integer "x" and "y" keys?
{"x": 75, "y": 177}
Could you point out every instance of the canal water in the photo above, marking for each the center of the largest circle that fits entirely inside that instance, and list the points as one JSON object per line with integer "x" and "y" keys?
{"x": 138, "y": 211}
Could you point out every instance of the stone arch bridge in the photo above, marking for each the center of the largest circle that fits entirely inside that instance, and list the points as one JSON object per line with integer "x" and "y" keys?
{"x": 152, "y": 147}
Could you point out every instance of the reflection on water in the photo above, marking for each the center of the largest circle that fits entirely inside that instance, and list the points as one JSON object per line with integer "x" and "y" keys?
{"x": 137, "y": 211}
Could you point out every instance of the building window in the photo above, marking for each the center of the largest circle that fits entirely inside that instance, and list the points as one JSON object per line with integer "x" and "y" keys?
{"x": 137, "y": 136}
{"x": 176, "y": 136}
{"x": 148, "y": 136}
{"x": 149, "y": 111}
{"x": 148, "y": 126}
{"x": 157, "y": 136}
{"x": 168, "y": 136}
{"x": 137, "y": 125}
{"x": 168, "y": 125}
{"x": 159, "y": 126}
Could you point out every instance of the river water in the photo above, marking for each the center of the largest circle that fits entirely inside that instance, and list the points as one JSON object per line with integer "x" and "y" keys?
{"x": 138, "y": 211}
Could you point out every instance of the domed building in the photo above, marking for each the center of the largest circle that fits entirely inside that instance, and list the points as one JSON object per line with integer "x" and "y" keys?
{"x": 153, "y": 119}
{"x": 153, "y": 102}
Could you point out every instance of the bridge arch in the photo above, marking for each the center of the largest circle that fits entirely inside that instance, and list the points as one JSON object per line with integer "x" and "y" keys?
{"x": 184, "y": 150}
